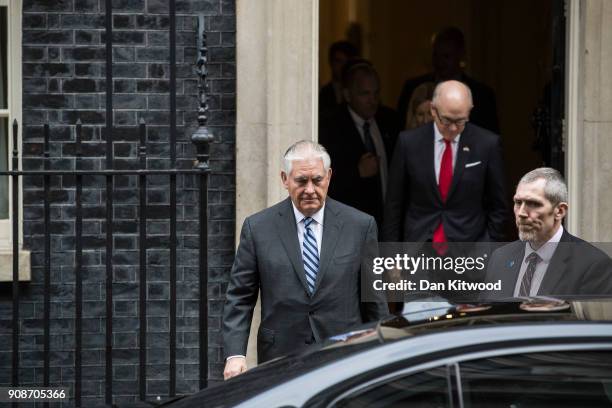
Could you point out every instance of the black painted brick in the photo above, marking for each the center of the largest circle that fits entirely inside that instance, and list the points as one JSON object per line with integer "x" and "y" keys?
{"x": 64, "y": 68}
{"x": 47, "y": 37}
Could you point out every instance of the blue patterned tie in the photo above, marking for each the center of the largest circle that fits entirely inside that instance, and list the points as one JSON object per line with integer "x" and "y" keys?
{"x": 310, "y": 255}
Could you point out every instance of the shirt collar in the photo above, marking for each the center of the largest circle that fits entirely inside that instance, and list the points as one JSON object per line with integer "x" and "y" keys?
{"x": 359, "y": 121}
{"x": 546, "y": 251}
{"x": 438, "y": 136}
{"x": 299, "y": 217}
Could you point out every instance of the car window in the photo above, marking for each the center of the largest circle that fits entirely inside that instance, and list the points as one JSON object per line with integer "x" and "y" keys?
{"x": 426, "y": 389}
{"x": 556, "y": 379}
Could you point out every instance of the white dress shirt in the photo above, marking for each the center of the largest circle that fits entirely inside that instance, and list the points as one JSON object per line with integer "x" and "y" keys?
{"x": 545, "y": 252}
{"x": 379, "y": 145}
{"x": 316, "y": 226}
{"x": 439, "y": 147}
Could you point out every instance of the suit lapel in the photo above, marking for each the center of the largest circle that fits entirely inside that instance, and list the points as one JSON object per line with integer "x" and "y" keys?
{"x": 557, "y": 266}
{"x": 287, "y": 231}
{"x": 331, "y": 233}
{"x": 463, "y": 153}
{"x": 429, "y": 162}
{"x": 512, "y": 268}
{"x": 355, "y": 143}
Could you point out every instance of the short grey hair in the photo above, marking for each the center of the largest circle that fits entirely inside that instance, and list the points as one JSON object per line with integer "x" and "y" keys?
{"x": 555, "y": 189}
{"x": 437, "y": 91}
{"x": 303, "y": 150}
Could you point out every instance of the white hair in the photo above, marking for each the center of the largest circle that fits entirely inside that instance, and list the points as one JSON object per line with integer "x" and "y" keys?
{"x": 303, "y": 150}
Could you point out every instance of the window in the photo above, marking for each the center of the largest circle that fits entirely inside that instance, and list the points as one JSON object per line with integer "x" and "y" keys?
{"x": 10, "y": 102}
{"x": 426, "y": 389}
{"x": 556, "y": 379}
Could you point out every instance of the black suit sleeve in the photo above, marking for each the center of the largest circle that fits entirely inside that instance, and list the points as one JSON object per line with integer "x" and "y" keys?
{"x": 241, "y": 295}
{"x": 495, "y": 194}
{"x": 397, "y": 196}
{"x": 376, "y": 310}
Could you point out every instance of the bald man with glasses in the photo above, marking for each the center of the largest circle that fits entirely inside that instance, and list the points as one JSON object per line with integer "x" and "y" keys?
{"x": 446, "y": 181}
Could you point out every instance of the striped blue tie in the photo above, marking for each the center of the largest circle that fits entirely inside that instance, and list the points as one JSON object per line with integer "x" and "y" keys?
{"x": 310, "y": 254}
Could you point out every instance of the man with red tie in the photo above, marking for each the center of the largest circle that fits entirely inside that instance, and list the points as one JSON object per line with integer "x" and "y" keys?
{"x": 446, "y": 182}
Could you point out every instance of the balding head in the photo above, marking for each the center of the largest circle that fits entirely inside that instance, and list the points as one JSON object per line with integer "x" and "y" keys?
{"x": 452, "y": 92}
{"x": 450, "y": 107}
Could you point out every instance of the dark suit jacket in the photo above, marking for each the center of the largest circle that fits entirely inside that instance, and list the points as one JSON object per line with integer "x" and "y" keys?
{"x": 269, "y": 260}
{"x": 343, "y": 142}
{"x": 576, "y": 269}
{"x": 475, "y": 209}
{"x": 484, "y": 113}
{"x": 328, "y": 106}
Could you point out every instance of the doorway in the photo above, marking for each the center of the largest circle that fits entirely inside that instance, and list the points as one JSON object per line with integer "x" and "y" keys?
{"x": 516, "y": 47}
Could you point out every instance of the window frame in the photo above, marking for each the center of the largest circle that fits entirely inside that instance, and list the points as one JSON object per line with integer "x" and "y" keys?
{"x": 13, "y": 111}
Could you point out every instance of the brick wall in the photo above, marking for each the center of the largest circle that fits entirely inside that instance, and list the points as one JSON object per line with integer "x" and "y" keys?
{"x": 64, "y": 79}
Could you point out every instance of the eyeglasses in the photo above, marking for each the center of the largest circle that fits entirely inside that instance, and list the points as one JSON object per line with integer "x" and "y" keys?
{"x": 448, "y": 122}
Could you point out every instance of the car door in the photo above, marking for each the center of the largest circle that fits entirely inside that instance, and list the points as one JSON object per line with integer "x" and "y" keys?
{"x": 520, "y": 377}
{"x": 549, "y": 379}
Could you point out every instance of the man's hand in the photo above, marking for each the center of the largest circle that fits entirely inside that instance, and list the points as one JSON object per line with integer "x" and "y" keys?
{"x": 368, "y": 165}
{"x": 234, "y": 366}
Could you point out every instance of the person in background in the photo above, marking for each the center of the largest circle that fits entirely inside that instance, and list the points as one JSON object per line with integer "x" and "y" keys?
{"x": 419, "y": 108}
{"x": 360, "y": 139}
{"x": 446, "y": 182}
{"x": 330, "y": 95}
{"x": 447, "y": 59}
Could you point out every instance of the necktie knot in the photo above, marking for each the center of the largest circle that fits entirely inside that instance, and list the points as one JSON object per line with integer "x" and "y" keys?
{"x": 308, "y": 221}
{"x": 447, "y": 143}
{"x": 533, "y": 258}
{"x": 366, "y": 126}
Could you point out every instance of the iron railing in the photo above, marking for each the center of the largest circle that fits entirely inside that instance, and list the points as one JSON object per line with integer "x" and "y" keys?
{"x": 201, "y": 138}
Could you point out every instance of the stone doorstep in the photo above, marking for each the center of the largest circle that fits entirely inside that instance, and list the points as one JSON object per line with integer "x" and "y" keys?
{"x": 6, "y": 265}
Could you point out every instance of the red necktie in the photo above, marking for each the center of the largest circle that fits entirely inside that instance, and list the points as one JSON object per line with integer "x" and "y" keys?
{"x": 444, "y": 183}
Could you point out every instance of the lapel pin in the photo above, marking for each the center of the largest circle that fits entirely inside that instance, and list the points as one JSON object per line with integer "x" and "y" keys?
{"x": 510, "y": 264}
{"x": 466, "y": 148}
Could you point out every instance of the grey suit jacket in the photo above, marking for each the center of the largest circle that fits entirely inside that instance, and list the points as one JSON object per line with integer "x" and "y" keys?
{"x": 269, "y": 260}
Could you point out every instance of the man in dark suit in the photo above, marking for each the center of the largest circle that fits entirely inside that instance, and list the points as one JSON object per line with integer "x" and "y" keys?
{"x": 360, "y": 139}
{"x": 330, "y": 95}
{"x": 304, "y": 255}
{"x": 446, "y": 182}
{"x": 447, "y": 57}
{"x": 547, "y": 260}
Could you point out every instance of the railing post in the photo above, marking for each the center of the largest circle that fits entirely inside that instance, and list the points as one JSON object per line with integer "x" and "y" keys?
{"x": 202, "y": 139}
{"x": 15, "y": 216}
{"x": 173, "y": 236}
{"x": 142, "y": 186}
{"x": 108, "y": 350}
{"x": 47, "y": 284}
{"x": 78, "y": 270}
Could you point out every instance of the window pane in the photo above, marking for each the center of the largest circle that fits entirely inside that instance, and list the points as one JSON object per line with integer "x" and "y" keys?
{"x": 3, "y": 167}
{"x": 560, "y": 379}
{"x": 428, "y": 389}
{"x": 3, "y": 59}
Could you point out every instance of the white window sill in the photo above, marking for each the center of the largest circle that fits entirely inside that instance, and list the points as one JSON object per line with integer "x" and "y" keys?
{"x": 6, "y": 265}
